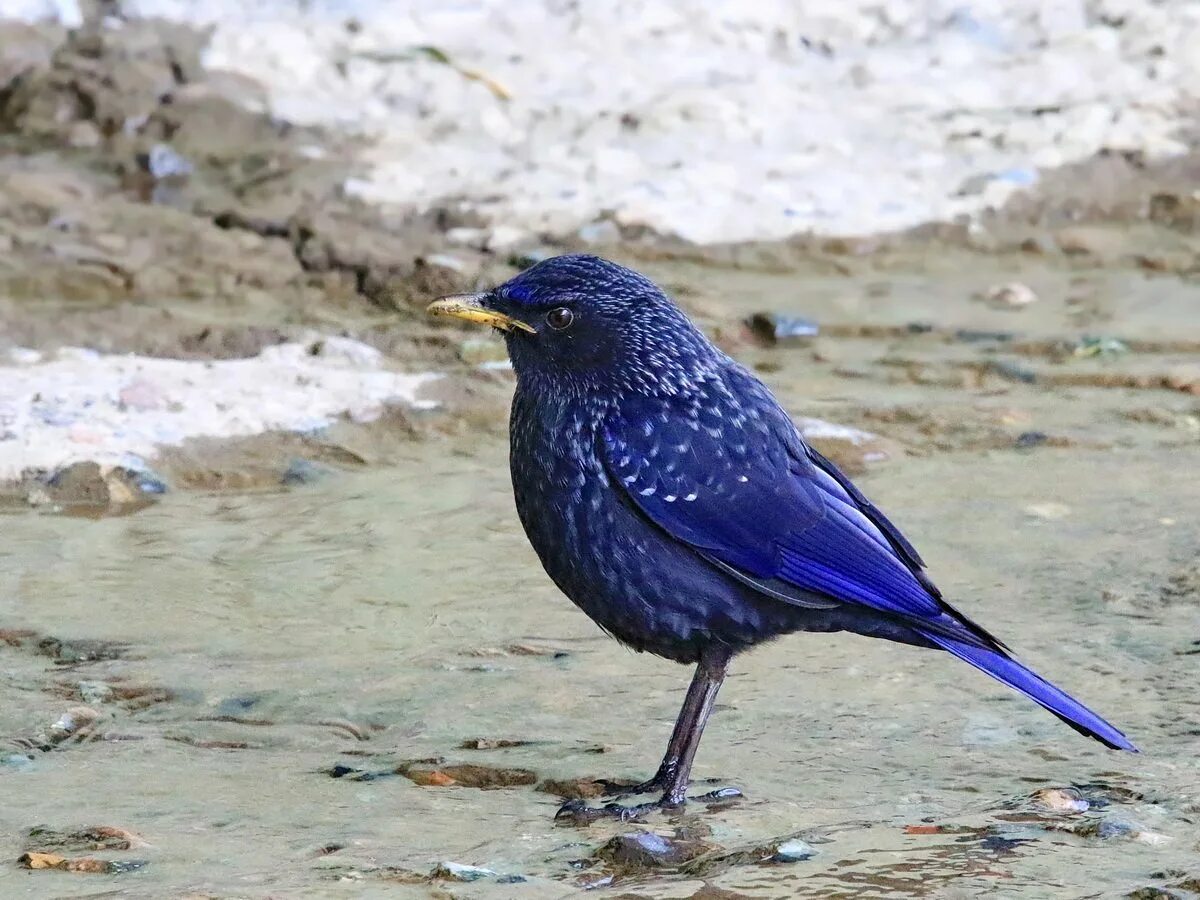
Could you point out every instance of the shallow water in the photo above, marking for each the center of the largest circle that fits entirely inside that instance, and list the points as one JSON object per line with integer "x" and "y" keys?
{"x": 371, "y": 619}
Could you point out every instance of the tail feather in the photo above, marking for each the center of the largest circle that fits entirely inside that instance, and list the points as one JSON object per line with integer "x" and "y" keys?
{"x": 1008, "y": 671}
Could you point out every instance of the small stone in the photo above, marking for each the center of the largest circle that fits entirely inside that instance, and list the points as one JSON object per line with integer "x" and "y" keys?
{"x": 452, "y": 871}
{"x": 73, "y": 721}
{"x": 1013, "y": 295}
{"x": 96, "y": 837}
{"x": 575, "y": 788}
{"x": 434, "y": 778}
{"x": 526, "y": 258}
{"x": 1100, "y": 346}
{"x": 1027, "y": 440}
{"x": 446, "y": 261}
{"x": 142, "y": 395}
{"x": 42, "y": 861}
{"x": 1060, "y": 800}
{"x": 38, "y": 860}
{"x": 1083, "y": 240}
{"x": 483, "y": 777}
{"x": 792, "y": 851}
{"x": 603, "y": 233}
{"x": 1051, "y": 511}
{"x": 477, "y": 351}
{"x": 84, "y": 135}
{"x": 94, "y": 692}
{"x": 851, "y": 449}
{"x": 113, "y": 489}
{"x": 347, "y": 351}
{"x": 491, "y": 743}
{"x": 24, "y": 356}
{"x": 18, "y": 761}
{"x": 162, "y": 162}
{"x": 647, "y": 850}
{"x": 503, "y": 237}
{"x": 778, "y": 328}
{"x": 303, "y": 471}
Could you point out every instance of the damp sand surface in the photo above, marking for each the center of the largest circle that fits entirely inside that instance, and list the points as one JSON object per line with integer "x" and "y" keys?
{"x": 234, "y": 652}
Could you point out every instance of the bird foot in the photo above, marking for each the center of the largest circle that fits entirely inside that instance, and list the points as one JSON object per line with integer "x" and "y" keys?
{"x": 618, "y": 789}
{"x": 576, "y": 812}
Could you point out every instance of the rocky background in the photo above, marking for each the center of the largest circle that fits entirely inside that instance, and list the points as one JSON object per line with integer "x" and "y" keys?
{"x": 203, "y": 181}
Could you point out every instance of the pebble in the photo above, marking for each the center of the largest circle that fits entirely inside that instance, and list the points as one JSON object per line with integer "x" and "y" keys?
{"x": 1060, "y": 800}
{"x": 1027, "y": 440}
{"x": 466, "y": 775}
{"x": 37, "y": 860}
{"x": 73, "y": 721}
{"x": 606, "y": 232}
{"x": 141, "y": 395}
{"x": 163, "y": 162}
{"x": 851, "y": 449}
{"x": 648, "y": 850}
{"x": 575, "y": 788}
{"x": 94, "y": 692}
{"x": 1013, "y": 295}
{"x": 779, "y": 328}
{"x": 18, "y": 761}
{"x": 303, "y": 471}
{"x": 526, "y": 258}
{"x": 491, "y": 744}
{"x": 24, "y": 356}
{"x": 107, "y": 488}
{"x": 452, "y": 871}
{"x": 1083, "y": 240}
{"x": 1052, "y": 511}
{"x": 792, "y": 851}
{"x": 447, "y": 261}
{"x": 477, "y": 351}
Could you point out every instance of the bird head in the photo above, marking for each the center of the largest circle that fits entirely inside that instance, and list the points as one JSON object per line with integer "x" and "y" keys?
{"x": 582, "y": 325}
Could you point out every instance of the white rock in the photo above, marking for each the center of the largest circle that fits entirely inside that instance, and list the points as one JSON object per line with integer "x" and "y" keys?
{"x": 714, "y": 121}
{"x": 71, "y": 408}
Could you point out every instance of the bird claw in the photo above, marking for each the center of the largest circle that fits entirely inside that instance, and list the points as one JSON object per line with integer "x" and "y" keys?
{"x": 577, "y": 812}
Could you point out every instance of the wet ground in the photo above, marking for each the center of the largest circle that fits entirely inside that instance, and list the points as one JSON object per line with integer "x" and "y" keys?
{"x": 237, "y": 651}
{"x": 328, "y": 665}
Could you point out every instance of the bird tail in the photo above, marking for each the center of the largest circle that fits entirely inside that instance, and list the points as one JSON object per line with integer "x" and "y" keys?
{"x": 1008, "y": 671}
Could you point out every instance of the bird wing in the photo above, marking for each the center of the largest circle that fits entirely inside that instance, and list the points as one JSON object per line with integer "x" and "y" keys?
{"x": 725, "y": 471}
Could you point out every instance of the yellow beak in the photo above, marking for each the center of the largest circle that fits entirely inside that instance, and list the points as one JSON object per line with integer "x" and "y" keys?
{"x": 469, "y": 308}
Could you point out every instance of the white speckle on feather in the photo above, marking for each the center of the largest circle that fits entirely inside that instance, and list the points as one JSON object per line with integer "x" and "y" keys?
{"x": 690, "y": 497}
{"x": 670, "y": 498}
{"x": 646, "y": 492}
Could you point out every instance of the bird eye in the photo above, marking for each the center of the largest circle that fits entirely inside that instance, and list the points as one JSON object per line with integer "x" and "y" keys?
{"x": 560, "y": 318}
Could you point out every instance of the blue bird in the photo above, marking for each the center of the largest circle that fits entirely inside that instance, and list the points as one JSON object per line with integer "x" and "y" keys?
{"x": 670, "y": 497}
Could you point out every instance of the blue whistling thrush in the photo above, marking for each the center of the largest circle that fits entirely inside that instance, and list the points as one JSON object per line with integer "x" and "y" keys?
{"x": 673, "y": 500}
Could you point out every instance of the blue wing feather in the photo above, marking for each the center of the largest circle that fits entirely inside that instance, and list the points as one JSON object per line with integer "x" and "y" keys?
{"x": 732, "y": 478}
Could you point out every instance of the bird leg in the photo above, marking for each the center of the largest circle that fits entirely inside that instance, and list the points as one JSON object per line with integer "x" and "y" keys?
{"x": 676, "y": 768}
